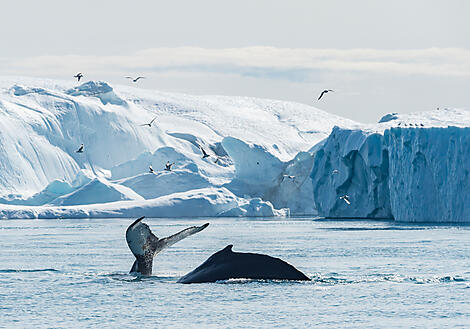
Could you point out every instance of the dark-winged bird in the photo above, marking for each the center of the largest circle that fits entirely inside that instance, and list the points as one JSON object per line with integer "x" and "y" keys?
{"x": 324, "y": 92}
{"x": 136, "y": 79}
{"x": 150, "y": 123}
{"x": 80, "y": 149}
{"x": 78, "y": 76}
{"x": 204, "y": 154}
{"x": 168, "y": 165}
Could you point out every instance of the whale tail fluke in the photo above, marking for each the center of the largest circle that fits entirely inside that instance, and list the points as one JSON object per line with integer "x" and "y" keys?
{"x": 172, "y": 239}
{"x": 145, "y": 245}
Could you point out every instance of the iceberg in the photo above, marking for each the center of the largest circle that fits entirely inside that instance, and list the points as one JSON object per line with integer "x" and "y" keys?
{"x": 266, "y": 157}
{"x": 42, "y": 175}
{"x": 414, "y": 168}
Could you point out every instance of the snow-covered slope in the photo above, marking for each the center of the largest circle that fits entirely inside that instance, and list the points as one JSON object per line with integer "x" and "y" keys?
{"x": 412, "y": 167}
{"x": 43, "y": 123}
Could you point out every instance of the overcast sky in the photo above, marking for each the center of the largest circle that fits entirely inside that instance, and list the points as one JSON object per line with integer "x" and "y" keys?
{"x": 378, "y": 56}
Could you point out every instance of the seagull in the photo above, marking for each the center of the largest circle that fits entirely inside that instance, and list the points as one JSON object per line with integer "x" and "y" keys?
{"x": 324, "y": 92}
{"x": 168, "y": 165}
{"x": 80, "y": 149}
{"x": 288, "y": 176}
{"x": 151, "y": 170}
{"x": 149, "y": 124}
{"x": 345, "y": 198}
{"x": 78, "y": 76}
{"x": 336, "y": 171}
{"x": 136, "y": 79}
{"x": 204, "y": 154}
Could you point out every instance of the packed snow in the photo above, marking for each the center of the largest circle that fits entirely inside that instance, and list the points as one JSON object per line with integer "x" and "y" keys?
{"x": 265, "y": 157}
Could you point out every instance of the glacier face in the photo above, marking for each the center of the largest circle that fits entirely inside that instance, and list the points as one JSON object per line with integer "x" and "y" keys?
{"x": 412, "y": 168}
{"x": 352, "y": 163}
{"x": 429, "y": 174}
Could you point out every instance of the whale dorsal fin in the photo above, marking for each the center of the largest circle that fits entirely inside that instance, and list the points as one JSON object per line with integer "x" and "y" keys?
{"x": 228, "y": 248}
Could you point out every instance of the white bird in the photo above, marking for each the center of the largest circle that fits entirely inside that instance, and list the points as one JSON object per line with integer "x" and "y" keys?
{"x": 80, "y": 149}
{"x": 150, "y": 123}
{"x": 288, "y": 176}
{"x": 78, "y": 76}
{"x": 345, "y": 198}
{"x": 136, "y": 79}
{"x": 324, "y": 92}
{"x": 336, "y": 171}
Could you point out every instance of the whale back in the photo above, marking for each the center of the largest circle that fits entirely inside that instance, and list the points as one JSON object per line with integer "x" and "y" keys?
{"x": 226, "y": 264}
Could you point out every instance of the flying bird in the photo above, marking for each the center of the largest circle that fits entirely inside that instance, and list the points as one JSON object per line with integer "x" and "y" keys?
{"x": 168, "y": 165}
{"x": 150, "y": 123}
{"x": 151, "y": 170}
{"x": 204, "y": 154}
{"x": 78, "y": 76}
{"x": 287, "y": 176}
{"x": 324, "y": 92}
{"x": 217, "y": 160}
{"x": 345, "y": 198}
{"x": 80, "y": 149}
{"x": 136, "y": 79}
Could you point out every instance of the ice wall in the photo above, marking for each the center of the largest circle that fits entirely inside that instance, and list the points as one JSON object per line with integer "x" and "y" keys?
{"x": 414, "y": 174}
{"x": 352, "y": 163}
{"x": 429, "y": 174}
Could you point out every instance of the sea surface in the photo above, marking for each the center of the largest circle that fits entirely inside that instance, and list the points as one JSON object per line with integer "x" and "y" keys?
{"x": 365, "y": 274}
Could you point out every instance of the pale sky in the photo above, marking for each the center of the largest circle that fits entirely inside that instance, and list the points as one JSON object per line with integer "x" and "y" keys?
{"x": 378, "y": 56}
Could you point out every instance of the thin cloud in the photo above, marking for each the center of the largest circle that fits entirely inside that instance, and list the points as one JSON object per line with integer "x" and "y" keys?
{"x": 276, "y": 63}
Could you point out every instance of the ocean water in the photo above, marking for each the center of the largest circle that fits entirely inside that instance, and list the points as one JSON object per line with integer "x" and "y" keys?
{"x": 365, "y": 274}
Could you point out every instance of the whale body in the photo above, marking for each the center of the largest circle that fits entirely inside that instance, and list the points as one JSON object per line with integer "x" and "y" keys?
{"x": 226, "y": 264}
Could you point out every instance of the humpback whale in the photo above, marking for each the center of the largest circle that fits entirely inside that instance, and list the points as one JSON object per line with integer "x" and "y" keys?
{"x": 145, "y": 245}
{"x": 226, "y": 264}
